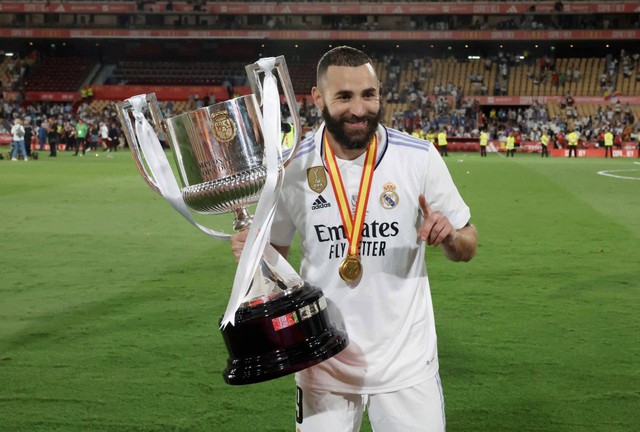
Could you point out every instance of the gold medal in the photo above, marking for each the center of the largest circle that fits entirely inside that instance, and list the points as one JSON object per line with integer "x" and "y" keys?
{"x": 350, "y": 268}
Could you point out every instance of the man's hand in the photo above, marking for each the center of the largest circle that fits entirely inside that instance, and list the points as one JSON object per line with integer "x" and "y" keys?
{"x": 237, "y": 242}
{"x": 435, "y": 227}
{"x": 436, "y": 230}
{"x": 240, "y": 238}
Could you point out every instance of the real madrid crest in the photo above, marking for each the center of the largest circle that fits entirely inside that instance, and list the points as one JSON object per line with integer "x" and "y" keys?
{"x": 224, "y": 128}
{"x": 317, "y": 178}
{"x": 389, "y": 198}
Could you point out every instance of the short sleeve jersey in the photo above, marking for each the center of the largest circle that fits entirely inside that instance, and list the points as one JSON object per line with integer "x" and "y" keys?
{"x": 81, "y": 130}
{"x": 387, "y": 313}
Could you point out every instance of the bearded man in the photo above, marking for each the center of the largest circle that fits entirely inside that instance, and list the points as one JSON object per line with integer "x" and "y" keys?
{"x": 366, "y": 201}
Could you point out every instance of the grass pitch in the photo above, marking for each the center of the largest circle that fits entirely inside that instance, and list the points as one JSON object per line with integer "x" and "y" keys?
{"x": 109, "y": 303}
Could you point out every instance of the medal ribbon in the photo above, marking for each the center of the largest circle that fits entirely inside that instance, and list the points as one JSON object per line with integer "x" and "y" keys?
{"x": 352, "y": 223}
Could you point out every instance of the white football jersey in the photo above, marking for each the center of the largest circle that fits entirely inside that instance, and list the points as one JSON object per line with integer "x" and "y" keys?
{"x": 387, "y": 313}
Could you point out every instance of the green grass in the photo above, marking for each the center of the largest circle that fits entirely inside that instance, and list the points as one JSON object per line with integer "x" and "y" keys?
{"x": 109, "y": 303}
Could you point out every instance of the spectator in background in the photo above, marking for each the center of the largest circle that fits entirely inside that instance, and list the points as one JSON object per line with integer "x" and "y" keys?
{"x": 169, "y": 108}
{"x": 42, "y": 134}
{"x": 53, "y": 136}
{"x": 104, "y": 136}
{"x": 68, "y": 136}
{"x": 28, "y": 135}
{"x": 81, "y": 131}
{"x": 17, "y": 145}
{"x": 94, "y": 136}
{"x": 114, "y": 137}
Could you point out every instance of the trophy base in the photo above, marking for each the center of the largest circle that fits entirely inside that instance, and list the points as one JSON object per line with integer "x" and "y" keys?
{"x": 281, "y": 336}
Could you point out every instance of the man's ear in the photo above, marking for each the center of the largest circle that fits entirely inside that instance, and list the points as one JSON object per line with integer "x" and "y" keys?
{"x": 317, "y": 98}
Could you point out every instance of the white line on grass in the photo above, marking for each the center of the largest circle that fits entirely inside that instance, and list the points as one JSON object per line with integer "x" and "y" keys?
{"x": 608, "y": 173}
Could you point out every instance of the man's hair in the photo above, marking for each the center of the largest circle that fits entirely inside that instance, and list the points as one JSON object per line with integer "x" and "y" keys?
{"x": 340, "y": 56}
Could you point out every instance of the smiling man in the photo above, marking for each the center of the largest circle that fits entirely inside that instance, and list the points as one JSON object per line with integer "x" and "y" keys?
{"x": 366, "y": 200}
{"x": 350, "y": 126}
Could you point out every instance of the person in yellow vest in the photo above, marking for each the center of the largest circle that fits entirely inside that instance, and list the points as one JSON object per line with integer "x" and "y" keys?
{"x": 572, "y": 143}
{"x": 286, "y": 134}
{"x": 608, "y": 143}
{"x": 511, "y": 144}
{"x": 430, "y": 136}
{"x": 544, "y": 142}
{"x": 442, "y": 143}
{"x": 484, "y": 139}
{"x": 83, "y": 93}
{"x": 418, "y": 133}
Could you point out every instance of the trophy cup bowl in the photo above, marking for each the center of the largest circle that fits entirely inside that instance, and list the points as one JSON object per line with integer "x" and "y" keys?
{"x": 219, "y": 152}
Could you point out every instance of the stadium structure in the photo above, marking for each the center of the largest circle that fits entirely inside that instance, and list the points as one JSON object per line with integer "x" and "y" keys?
{"x": 527, "y": 67}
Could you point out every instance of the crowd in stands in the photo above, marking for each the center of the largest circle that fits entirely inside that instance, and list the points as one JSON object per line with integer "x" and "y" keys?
{"x": 529, "y": 123}
{"x": 15, "y": 70}
{"x": 199, "y": 17}
{"x": 409, "y": 105}
{"x": 361, "y": 23}
{"x": 447, "y": 108}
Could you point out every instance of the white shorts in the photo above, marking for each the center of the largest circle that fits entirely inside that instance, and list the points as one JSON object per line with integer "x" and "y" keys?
{"x": 416, "y": 409}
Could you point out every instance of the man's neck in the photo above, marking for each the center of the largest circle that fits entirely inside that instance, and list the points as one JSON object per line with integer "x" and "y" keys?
{"x": 342, "y": 152}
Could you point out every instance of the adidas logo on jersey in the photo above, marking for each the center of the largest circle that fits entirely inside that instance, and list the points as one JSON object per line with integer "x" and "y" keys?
{"x": 319, "y": 203}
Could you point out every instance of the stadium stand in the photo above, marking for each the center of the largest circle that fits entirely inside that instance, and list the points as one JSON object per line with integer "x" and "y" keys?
{"x": 454, "y": 81}
{"x": 59, "y": 74}
{"x": 179, "y": 73}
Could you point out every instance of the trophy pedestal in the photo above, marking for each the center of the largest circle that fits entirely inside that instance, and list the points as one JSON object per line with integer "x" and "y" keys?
{"x": 280, "y": 337}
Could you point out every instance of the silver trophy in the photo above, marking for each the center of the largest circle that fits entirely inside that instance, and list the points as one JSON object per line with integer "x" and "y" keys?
{"x": 282, "y": 324}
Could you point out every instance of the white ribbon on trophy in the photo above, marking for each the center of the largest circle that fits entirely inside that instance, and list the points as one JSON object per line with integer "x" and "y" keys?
{"x": 265, "y": 211}
{"x": 257, "y": 245}
{"x": 160, "y": 167}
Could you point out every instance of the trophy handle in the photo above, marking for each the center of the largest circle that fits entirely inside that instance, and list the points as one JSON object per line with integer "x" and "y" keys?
{"x": 124, "y": 109}
{"x": 253, "y": 71}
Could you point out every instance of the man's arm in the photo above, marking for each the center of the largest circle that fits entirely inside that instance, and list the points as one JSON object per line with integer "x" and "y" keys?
{"x": 282, "y": 250}
{"x": 436, "y": 229}
{"x": 461, "y": 244}
{"x": 238, "y": 240}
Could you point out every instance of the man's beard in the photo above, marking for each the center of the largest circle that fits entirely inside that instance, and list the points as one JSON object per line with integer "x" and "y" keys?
{"x": 355, "y": 140}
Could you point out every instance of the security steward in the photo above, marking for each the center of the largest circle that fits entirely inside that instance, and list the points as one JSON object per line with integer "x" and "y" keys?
{"x": 442, "y": 143}
{"x": 572, "y": 143}
{"x": 544, "y": 142}
{"x": 484, "y": 139}
{"x": 608, "y": 144}
{"x": 286, "y": 135}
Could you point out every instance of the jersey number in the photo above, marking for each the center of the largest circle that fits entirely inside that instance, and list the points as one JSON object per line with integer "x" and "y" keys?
{"x": 299, "y": 412}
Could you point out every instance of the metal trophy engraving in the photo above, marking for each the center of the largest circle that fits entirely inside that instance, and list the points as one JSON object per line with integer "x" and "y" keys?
{"x": 281, "y": 325}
